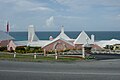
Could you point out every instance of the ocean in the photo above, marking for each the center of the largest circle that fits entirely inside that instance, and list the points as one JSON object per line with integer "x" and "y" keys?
{"x": 99, "y": 35}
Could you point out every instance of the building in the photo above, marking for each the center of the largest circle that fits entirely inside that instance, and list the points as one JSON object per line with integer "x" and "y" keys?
{"x": 60, "y": 43}
{"x": 104, "y": 43}
{"x": 82, "y": 39}
{"x": 13, "y": 44}
{"x": 5, "y": 38}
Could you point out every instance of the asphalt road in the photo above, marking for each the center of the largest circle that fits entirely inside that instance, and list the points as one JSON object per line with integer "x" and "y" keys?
{"x": 83, "y": 70}
{"x": 106, "y": 56}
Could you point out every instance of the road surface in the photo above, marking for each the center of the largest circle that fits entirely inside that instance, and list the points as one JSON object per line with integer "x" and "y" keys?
{"x": 83, "y": 70}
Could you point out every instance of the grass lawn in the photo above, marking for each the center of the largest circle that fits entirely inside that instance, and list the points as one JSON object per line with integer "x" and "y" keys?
{"x": 30, "y": 58}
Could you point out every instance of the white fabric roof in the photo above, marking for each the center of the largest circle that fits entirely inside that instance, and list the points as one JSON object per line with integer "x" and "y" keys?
{"x": 83, "y": 39}
{"x": 31, "y": 34}
{"x": 63, "y": 35}
{"x": 35, "y": 38}
{"x": 39, "y": 43}
{"x": 21, "y": 43}
{"x": 103, "y": 43}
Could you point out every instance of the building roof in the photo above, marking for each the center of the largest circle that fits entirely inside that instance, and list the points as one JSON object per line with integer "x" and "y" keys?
{"x": 39, "y": 43}
{"x": 5, "y": 36}
{"x": 83, "y": 39}
{"x": 35, "y": 38}
{"x": 103, "y": 43}
{"x": 21, "y": 43}
{"x": 58, "y": 38}
{"x": 63, "y": 35}
{"x": 31, "y": 34}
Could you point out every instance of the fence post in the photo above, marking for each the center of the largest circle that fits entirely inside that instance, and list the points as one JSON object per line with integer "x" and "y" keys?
{"x": 83, "y": 51}
{"x": 44, "y": 52}
{"x": 35, "y": 55}
{"x": 56, "y": 56}
{"x": 14, "y": 54}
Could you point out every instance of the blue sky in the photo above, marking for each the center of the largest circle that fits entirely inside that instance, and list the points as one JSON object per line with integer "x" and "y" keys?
{"x": 49, "y": 15}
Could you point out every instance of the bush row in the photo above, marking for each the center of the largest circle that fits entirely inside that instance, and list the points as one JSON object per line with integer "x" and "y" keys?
{"x": 23, "y": 49}
{"x": 28, "y": 49}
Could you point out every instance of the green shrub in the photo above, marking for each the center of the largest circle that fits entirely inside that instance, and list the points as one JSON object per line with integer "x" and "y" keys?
{"x": 20, "y": 50}
{"x": 66, "y": 50}
{"x": 28, "y": 49}
{"x": 109, "y": 47}
{"x": 3, "y": 48}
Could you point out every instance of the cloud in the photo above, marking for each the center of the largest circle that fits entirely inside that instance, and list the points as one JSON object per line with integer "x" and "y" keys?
{"x": 41, "y": 9}
{"x": 66, "y": 12}
{"x": 119, "y": 15}
{"x": 32, "y": 6}
{"x": 87, "y": 4}
{"x": 72, "y": 17}
{"x": 50, "y": 22}
{"x": 26, "y": 5}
